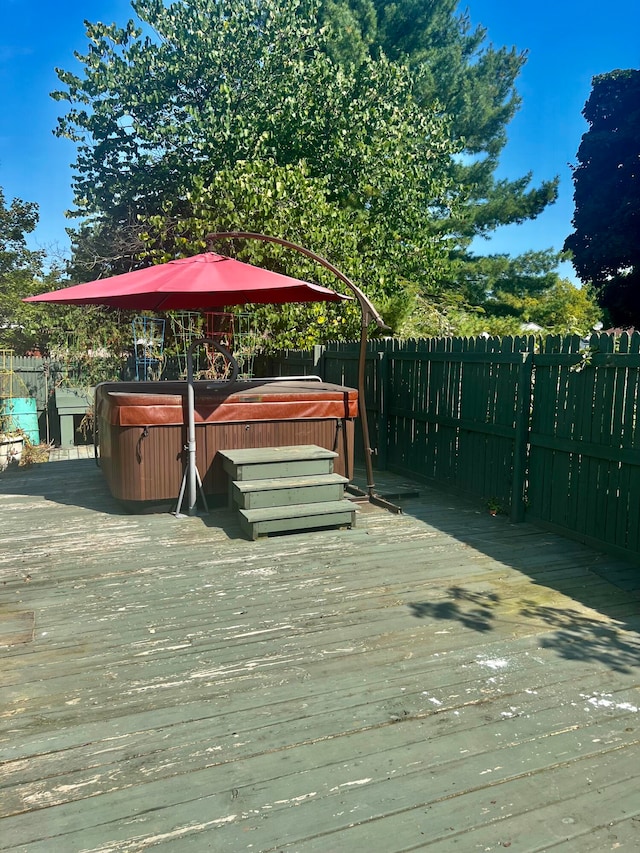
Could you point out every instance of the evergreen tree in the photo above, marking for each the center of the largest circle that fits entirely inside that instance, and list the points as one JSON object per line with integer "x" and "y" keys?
{"x": 606, "y": 241}
{"x": 474, "y": 83}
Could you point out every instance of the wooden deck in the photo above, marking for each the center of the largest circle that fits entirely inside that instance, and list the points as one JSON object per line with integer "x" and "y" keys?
{"x": 439, "y": 679}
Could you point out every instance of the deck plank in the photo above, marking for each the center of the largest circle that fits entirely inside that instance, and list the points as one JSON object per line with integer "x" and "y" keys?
{"x": 439, "y": 678}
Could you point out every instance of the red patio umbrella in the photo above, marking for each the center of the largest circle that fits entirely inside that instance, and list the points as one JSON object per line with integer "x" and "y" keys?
{"x": 191, "y": 284}
{"x": 198, "y": 283}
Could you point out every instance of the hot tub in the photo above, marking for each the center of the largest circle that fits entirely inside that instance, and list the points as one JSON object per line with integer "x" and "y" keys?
{"x": 141, "y": 431}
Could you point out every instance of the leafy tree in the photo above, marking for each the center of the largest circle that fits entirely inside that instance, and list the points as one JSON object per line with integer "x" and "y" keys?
{"x": 605, "y": 242}
{"x": 20, "y": 274}
{"x": 71, "y": 333}
{"x": 508, "y": 295}
{"x": 286, "y": 200}
{"x": 245, "y": 81}
{"x": 381, "y": 123}
{"x": 565, "y": 309}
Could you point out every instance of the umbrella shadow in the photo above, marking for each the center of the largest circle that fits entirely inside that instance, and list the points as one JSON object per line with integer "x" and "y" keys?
{"x": 73, "y": 482}
{"x": 80, "y": 483}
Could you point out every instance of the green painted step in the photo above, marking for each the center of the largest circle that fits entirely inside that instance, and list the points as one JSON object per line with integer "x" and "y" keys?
{"x": 261, "y": 522}
{"x": 268, "y": 462}
{"x": 285, "y": 491}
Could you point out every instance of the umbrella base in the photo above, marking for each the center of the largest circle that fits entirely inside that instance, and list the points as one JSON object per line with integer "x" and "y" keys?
{"x": 191, "y": 510}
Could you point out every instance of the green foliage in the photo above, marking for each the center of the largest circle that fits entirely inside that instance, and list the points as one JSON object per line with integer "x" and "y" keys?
{"x": 605, "y": 242}
{"x": 507, "y": 295}
{"x": 76, "y": 333}
{"x": 243, "y": 80}
{"x": 233, "y": 115}
{"x": 452, "y": 66}
{"x": 287, "y": 200}
{"x": 20, "y": 275}
{"x": 366, "y": 131}
{"x": 566, "y": 310}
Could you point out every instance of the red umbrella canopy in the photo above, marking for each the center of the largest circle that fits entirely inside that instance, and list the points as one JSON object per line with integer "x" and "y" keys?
{"x": 191, "y": 284}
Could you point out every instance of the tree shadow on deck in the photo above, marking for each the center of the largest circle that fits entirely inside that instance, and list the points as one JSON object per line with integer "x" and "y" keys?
{"x": 571, "y": 578}
{"x": 471, "y": 609}
{"x": 573, "y": 635}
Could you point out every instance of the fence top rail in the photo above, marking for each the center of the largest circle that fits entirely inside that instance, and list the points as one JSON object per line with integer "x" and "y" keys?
{"x": 596, "y": 359}
{"x": 478, "y": 357}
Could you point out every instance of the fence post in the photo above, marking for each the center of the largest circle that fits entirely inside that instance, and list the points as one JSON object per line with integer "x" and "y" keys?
{"x": 318, "y": 360}
{"x": 383, "y": 418}
{"x": 520, "y": 444}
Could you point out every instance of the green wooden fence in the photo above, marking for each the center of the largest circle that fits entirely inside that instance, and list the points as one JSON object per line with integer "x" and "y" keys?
{"x": 452, "y": 415}
{"x": 543, "y": 430}
{"x": 584, "y": 441}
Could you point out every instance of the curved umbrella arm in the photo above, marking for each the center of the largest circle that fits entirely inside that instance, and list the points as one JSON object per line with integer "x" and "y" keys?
{"x": 369, "y": 312}
{"x": 369, "y": 315}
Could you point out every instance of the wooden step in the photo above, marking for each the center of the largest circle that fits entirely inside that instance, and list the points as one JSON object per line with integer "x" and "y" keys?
{"x": 285, "y": 491}
{"x": 262, "y": 463}
{"x": 283, "y": 519}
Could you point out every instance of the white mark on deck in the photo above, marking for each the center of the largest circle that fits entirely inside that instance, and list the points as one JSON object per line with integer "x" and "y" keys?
{"x": 161, "y": 686}
{"x": 350, "y": 784}
{"x": 493, "y": 663}
{"x": 512, "y": 712}
{"x": 150, "y": 840}
{"x": 340, "y": 651}
{"x": 295, "y": 800}
{"x": 264, "y": 573}
{"x": 431, "y": 699}
{"x": 227, "y": 672}
{"x": 262, "y": 631}
{"x": 604, "y": 700}
{"x": 155, "y": 649}
{"x": 68, "y": 789}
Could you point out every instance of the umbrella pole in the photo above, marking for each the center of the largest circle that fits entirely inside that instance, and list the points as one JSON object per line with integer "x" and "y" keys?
{"x": 191, "y": 480}
{"x": 192, "y": 468}
{"x": 362, "y": 409}
{"x": 191, "y": 477}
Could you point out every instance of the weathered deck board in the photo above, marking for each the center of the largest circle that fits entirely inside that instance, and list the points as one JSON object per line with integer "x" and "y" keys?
{"x": 438, "y": 679}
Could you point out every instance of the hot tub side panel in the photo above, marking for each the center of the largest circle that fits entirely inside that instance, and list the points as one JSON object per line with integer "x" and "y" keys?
{"x": 146, "y": 464}
{"x": 140, "y": 462}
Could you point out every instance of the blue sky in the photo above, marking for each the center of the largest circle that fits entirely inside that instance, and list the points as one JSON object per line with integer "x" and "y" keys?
{"x": 568, "y": 42}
